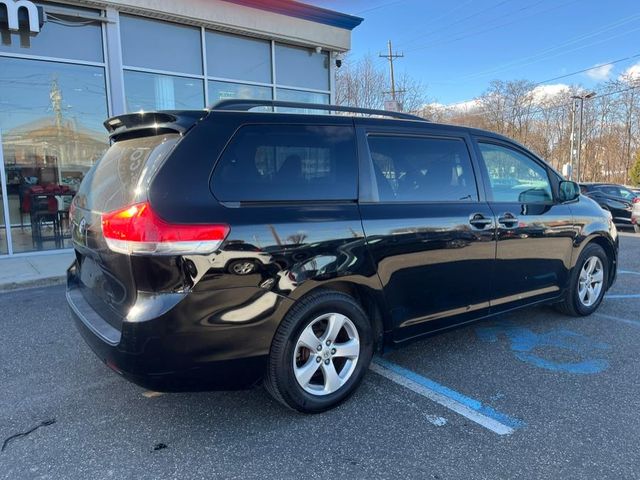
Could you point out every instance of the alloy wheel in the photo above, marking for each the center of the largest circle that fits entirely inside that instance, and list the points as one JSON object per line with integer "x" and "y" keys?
{"x": 591, "y": 281}
{"x": 243, "y": 268}
{"x": 326, "y": 354}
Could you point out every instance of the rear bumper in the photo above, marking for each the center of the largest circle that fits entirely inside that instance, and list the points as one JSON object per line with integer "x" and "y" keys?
{"x": 185, "y": 348}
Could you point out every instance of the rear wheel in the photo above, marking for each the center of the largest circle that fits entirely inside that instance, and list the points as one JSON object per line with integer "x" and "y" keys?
{"x": 588, "y": 282}
{"x": 320, "y": 353}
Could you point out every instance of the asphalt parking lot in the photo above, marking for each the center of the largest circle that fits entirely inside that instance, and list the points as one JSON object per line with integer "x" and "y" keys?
{"x": 532, "y": 394}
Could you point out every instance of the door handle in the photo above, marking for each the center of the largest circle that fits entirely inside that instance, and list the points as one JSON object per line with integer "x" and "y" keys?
{"x": 509, "y": 220}
{"x": 478, "y": 220}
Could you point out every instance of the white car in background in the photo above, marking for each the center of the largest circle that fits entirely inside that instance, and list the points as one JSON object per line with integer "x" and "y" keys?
{"x": 635, "y": 217}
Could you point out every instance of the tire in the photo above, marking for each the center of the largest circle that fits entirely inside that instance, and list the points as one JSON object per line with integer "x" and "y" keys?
{"x": 290, "y": 355}
{"x": 573, "y": 303}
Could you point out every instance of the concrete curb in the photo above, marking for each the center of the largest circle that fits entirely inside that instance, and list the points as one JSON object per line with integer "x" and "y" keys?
{"x": 33, "y": 283}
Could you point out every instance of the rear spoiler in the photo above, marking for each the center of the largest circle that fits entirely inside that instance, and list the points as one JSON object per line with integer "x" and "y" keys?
{"x": 152, "y": 123}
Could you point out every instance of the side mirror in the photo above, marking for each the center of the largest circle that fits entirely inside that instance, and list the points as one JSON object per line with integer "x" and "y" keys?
{"x": 568, "y": 191}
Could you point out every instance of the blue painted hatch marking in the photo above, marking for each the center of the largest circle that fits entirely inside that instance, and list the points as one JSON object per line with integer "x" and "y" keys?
{"x": 533, "y": 348}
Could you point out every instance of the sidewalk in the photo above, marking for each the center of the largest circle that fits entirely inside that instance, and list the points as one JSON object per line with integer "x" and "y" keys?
{"x": 34, "y": 271}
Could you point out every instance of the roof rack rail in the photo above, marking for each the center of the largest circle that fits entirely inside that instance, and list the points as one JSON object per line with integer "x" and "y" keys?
{"x": 246, "y": 105}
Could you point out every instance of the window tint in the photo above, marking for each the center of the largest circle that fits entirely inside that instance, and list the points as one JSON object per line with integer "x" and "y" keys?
{"x": 288, "y": 162}
{"x": 411, "y": 169}
{"x": 514, "y": 177}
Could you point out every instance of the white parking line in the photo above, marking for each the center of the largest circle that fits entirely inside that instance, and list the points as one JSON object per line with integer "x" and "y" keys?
{"x": 455, "y": 401}
{"x": 628, "y": 272}
{"x": 618, "y": 319}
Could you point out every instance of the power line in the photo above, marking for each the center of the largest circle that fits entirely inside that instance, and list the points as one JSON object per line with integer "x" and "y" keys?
{"x": 461, "y": 20}
{"x": 384, "y": 5}
{"x": 600, "y": 65}
{"x": 543, "y": 54}
{"x": 444, "y": 41}
{"x": 433, "y": 21}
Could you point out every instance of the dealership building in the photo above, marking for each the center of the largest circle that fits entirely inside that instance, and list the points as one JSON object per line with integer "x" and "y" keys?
{"x": 67, "y": 66}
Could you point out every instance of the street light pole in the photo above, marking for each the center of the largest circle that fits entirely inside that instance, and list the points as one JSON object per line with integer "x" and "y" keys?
{"x": 572, "y": 152}
{"x": 582, "y": 98}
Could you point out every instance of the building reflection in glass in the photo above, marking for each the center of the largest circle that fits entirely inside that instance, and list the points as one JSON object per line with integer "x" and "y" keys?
{"x": 51, "y": 122}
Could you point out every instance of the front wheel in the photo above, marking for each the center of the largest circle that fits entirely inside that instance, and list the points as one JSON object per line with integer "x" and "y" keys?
{"x": 320, "y": 353}
{"x": 588, "y": 282}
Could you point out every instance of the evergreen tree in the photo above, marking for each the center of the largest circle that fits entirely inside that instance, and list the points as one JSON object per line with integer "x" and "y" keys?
{"x": 634, "y": 172}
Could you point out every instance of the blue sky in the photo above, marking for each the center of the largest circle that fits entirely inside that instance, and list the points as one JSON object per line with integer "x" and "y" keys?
{"x": 457, "y": 47}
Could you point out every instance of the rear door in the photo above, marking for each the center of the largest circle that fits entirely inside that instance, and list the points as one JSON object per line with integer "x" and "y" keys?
{"x": 535, "y": 234}
{"x": 117, "y": 180}
{"x": 428, "y": 228}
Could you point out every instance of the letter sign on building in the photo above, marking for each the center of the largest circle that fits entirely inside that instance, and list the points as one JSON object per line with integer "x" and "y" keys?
{"x": 13, "y": 11}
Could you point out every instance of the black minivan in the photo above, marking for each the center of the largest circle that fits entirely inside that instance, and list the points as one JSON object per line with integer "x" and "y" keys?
{"x": 220, "y": 248}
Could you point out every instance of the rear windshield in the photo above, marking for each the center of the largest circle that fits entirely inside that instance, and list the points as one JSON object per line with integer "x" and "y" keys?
{"x": 121, "y": 176}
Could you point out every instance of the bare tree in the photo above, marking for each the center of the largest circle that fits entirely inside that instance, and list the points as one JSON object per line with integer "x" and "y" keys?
{"x": 520, "y": 110}
{"x": 364, "y": 83}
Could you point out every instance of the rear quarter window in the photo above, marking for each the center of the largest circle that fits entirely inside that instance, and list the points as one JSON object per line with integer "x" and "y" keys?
{"x": 287, "y": 163}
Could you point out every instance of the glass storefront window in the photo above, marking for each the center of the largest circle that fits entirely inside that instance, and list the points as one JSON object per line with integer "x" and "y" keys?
{"x": 3, "y": 229}
{"x": 304, "y": 97}
{"x": 149, "y": 91}
{"x": 226, "y": 90}
{"x": 300, "y": 96}
{"x": 302, "y": 67}
{"x": 239, "y": 58}
{"x": 160, "y": 45}
{"x": 51, "y": 118}
{"x": 62, "y": 36}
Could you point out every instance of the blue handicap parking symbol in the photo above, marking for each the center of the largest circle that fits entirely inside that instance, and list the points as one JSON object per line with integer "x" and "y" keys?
{"x": 537, "y": 348}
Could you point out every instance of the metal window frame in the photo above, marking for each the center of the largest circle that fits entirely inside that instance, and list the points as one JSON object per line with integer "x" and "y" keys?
{"x": 5, "y": 201}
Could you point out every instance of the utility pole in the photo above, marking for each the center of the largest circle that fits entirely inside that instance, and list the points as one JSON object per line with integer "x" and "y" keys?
{"x": 391, "y": 56}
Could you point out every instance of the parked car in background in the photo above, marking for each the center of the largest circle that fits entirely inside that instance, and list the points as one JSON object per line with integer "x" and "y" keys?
{"x": 219, "y": 248}
{"x": 617, "y": 199}
{"x": 635, "y": 217}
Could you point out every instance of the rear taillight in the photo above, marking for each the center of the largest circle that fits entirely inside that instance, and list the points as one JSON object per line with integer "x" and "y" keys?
{"x": 137, "y": 230}
{"x": 636, "y": 200}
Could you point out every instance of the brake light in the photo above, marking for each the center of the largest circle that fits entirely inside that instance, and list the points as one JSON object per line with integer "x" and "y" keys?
{"x": 635, "y": 200}
{"x": 137, "y": 230}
